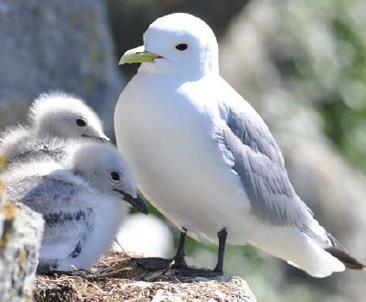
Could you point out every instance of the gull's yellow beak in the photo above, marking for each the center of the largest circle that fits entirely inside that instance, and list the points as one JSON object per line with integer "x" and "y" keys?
{"x": 138, "y": 55}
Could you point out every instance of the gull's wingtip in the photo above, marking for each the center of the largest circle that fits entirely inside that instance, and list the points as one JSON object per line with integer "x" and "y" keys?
{"x": 349, "y": 261}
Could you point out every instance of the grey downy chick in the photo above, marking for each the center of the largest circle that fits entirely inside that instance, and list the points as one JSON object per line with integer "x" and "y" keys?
{"x": 83, "y": 203}
{"x": 53, "y": 118}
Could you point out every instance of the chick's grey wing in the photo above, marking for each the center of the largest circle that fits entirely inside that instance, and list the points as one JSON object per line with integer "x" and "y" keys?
{"x": 67, "y": 220}
{"x": 43, "y": 194}
{"x": 258, "y": 162}
{"x": 38, "y": 148}
{"x": 66, "y": 232}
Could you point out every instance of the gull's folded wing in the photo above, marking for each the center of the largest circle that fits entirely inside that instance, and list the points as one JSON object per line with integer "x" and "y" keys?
{"x": 258, "y": 162}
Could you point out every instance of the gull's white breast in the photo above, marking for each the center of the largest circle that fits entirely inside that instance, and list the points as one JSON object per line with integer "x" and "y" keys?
{"x": 166, "y": 133}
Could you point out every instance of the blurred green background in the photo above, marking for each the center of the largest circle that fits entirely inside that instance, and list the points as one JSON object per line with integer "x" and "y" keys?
{"x": 301, "y": 64}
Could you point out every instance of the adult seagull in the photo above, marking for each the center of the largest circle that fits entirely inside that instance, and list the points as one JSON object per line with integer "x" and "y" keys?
{"x": 205, "y": 158}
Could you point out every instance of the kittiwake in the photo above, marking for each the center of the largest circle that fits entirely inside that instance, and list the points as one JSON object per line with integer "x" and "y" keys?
{"x": 83, "y": 204}
{"x": 205, "y": 158}
{"x": 53, "y": 118}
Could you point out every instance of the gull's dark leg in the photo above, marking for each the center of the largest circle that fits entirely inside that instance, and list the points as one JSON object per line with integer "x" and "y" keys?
{"x": 220, "y": 258}
{"x": 179, "y": 256}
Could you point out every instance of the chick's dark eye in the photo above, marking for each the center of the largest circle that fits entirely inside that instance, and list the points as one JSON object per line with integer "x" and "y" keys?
{"x": 115, "y": 176}
{"x": 182, "y": 46}
{"x": 81, "y": 122}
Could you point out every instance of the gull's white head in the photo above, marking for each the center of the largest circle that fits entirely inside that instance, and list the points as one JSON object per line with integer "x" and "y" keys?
{"x": 176, "y": 44}
{"x": 103, "y": 168}
{"x": 63, "y": 115}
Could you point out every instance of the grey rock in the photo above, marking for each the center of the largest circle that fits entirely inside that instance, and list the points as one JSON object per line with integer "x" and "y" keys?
{"x": 233, "y": 289}
{"x": 56, "y": 45}
{"x": 20, "y": 238}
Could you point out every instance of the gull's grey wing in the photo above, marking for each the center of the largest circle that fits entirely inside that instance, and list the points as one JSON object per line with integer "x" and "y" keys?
{"x": 258, "y": 162}
{"x": 68, "y": 221}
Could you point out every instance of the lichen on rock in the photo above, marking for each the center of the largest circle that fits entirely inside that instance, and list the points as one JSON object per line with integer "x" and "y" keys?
{"x": 20, "y": 238}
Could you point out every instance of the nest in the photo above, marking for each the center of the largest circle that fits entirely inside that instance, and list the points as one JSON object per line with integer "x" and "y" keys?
{"x": 118, "y": 277}
{"x": 101, "y": 283}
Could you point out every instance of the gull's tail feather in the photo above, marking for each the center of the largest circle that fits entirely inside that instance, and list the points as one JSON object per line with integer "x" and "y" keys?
{"x": 314, "y": 260}
{"x": 298, "y": 249}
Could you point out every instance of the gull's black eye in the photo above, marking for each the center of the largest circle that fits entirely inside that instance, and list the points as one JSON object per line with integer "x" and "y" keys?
{"x": 182, "y": 46}
{"x": 115, "y": 176}
{"x": 81, "y": 122}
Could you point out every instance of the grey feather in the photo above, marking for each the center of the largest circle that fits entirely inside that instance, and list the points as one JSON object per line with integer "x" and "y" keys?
{"x": 259, "y": 163}
{"x": 65, "y": 224}
{"x": 25, "y": 146}
{"x": 41, "y": 148}
{"x": 45, "y": 266}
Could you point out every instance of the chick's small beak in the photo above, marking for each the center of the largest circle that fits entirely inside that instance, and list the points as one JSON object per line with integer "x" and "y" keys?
{"x": 102, "y": 138}
{"x": 138, "y": 55}
{"x": 136, "y": 202}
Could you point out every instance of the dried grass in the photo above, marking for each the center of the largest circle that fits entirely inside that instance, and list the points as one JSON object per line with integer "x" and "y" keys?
{"x": 104, "y": 282}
